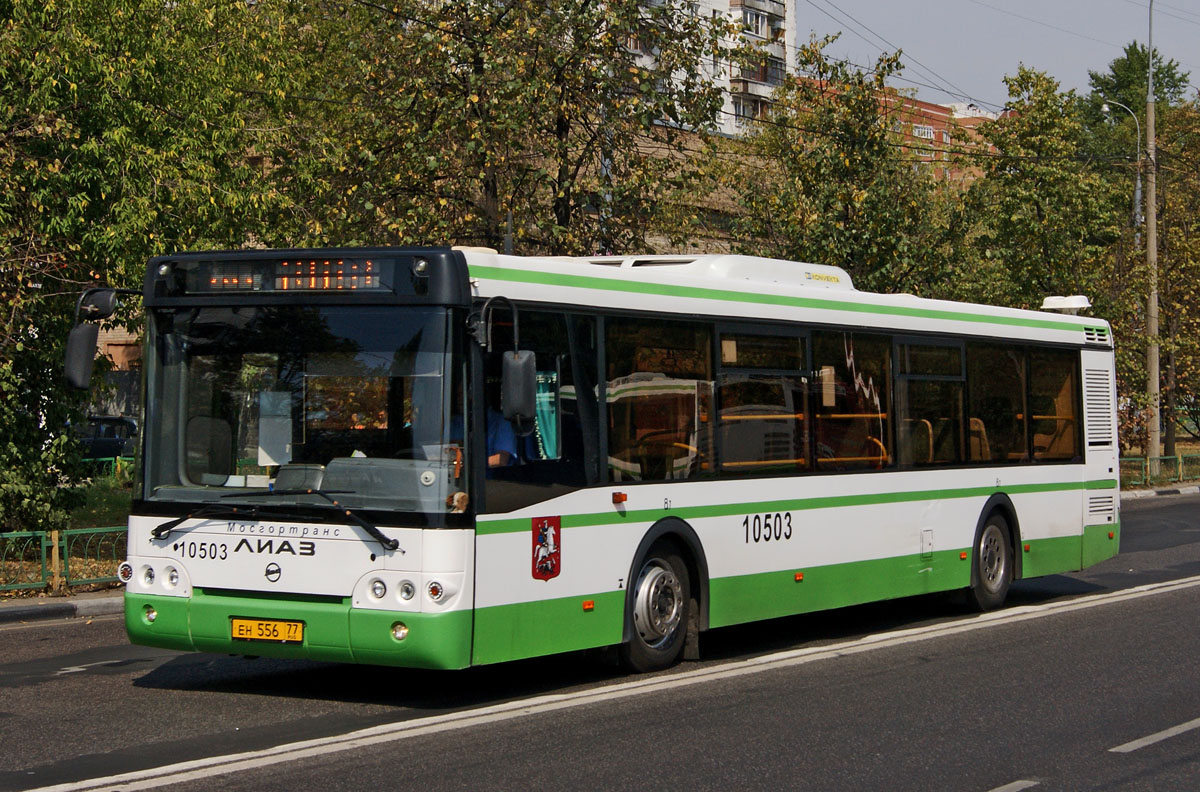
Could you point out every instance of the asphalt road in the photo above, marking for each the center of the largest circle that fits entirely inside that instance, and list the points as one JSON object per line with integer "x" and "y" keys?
{"x": 912, "y": 694}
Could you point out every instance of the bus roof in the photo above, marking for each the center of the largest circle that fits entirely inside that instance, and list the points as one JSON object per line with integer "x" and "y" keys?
{"x": 749, "y": 287}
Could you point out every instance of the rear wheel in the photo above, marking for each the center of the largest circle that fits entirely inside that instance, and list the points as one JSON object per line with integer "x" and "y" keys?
{"x": 659, "y": 607}
{"x": 993, "y": 565}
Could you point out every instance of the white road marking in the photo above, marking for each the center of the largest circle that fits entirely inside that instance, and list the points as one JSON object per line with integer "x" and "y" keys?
{"x": 206, "y": 768}
{"x": 1015, "y": 786}
{"x": 85, "y": 667}
{"x": 1157, "y": 737}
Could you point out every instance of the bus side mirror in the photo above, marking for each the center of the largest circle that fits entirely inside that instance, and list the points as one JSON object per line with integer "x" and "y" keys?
{"x": 81, "y": 354}
{"x": 93, "y": 305}
{"x": 97, "y": 304}
{"x": 518, "y": 389}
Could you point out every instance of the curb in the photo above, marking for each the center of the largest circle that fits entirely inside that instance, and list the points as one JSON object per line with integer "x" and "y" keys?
{"x": 1139, "y": 494}
{"x": 92, "y": 606}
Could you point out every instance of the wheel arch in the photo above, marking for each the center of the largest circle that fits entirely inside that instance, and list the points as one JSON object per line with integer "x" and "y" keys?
{"x": 1000, "y": 503}
{"x": 692, "y": 552}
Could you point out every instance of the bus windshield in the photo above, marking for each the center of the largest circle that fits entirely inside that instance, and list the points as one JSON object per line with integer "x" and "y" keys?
{"x": 361, "y": 402}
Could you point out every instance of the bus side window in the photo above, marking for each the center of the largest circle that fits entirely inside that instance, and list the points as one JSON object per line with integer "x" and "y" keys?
{"x": 996, "y": 403}
{"x": 851, "y": 404}
{"x": 558, "y": 454}
{"x": 1053, "y": 396}
{"x": 659, "y": 399}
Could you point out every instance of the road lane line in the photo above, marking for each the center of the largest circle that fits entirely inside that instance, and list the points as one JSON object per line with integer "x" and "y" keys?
{"x": 1157, "y": 737}
{"x": 392, "y": 732}
{"x": 1015, "y": 786}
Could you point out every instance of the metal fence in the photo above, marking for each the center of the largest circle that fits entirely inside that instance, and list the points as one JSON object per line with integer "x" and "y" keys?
{"x": 1154, "y": 471}
{"x": 58, "y": 559}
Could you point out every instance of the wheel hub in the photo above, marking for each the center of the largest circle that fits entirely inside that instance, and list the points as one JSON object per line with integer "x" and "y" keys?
{"x": 991, "y": 558}
{"x": 658, "y": 604}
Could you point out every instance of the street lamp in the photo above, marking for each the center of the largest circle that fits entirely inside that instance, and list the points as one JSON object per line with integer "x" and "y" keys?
{"x": 1137, "y": 188}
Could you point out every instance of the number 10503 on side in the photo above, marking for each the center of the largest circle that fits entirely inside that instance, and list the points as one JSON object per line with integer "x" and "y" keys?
{"x": 769, "y": 527}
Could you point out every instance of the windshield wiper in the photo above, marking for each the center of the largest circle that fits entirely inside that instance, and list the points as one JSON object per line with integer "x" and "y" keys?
{"x": 162, "y": 530}
{"x": 252, "y": 514}
{"x": 376, "y": 534}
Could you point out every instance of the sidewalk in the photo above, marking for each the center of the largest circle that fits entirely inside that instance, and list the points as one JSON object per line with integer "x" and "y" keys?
{"x": 92, "y": 603}
{"x": 1180, "y": 489}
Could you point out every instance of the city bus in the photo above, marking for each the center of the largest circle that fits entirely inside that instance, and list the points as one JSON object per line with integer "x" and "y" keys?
{"x": 445, "y": 457}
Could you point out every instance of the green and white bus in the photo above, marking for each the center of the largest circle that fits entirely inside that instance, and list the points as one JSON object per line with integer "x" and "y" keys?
{"x": 438, "y": 458}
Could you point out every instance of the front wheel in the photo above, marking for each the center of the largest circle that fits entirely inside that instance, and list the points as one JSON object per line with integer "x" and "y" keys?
{"x": 993, "y": 565}
{"x": 659, "y": 609}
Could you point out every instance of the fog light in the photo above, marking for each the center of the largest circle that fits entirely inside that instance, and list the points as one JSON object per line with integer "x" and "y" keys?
{"x": 125, "y": 572}
{"x": 436, "y": 591}
{"x": 172, "y": 577}
{"x": 148, "y": 575}
{"x": 151, "y": 614}
{"x": 399, "y": 631}
{"x": 407, "y": 590}
{"x": 378, "y": 589}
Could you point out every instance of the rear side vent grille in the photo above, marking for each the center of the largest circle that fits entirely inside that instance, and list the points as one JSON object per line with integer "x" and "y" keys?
{"x": 1101, "y": 509}
{"x": 1096, "y": 335}
{"x": 1098, "y": 407}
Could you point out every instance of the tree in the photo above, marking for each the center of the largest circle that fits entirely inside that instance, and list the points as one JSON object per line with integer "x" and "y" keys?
{"x": 1125, "y": 81}
{"x": 1040, "y": 211}
{"x": 825, "y": 177}
{"x": 125, "y": 132}
{"x": 575, "y": 119}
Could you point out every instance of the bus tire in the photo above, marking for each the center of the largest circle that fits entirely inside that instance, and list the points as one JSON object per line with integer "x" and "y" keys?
{"x": 992, "y": 564}
{"x": 659, "y": 606}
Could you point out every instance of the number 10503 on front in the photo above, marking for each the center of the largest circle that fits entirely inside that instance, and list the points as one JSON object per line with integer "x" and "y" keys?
{"x": 267, "y": 630}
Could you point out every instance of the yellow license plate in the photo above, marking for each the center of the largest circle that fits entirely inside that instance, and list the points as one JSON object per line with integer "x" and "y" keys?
{"x": 267, "y": 630}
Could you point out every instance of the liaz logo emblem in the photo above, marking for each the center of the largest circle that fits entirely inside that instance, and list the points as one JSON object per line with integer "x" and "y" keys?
{"x": 273, "y": 572}
{"x": 547, "y": 547}
{"x": 271, "y": 547}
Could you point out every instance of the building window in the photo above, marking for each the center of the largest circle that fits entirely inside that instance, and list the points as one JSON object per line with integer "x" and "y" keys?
{"x": 755, "y": 23}
{"x": 922, "y": 131}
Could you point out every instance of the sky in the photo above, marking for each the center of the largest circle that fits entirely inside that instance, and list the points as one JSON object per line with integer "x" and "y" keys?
{"x": 960, "y": 50}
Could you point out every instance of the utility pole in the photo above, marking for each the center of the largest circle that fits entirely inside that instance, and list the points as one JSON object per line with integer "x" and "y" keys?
{"x": 1154, "y": 433}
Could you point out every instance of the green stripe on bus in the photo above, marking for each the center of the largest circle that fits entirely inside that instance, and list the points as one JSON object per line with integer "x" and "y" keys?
{"x": 529, "y": 629}
{"x": 767, "y": 595}
{"x": 1098, "y": 545}
{"x": 519, "y": 630}
{"x": 486, "y": 527}
{"x": 700, "y": 292}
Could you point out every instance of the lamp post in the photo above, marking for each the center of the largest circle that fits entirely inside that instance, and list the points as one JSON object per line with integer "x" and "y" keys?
{"x": 1154, "y": 430}
{"x": 1137, "y": 188}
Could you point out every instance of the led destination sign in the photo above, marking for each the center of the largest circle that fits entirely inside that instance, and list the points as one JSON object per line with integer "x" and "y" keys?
{"x": 291, "y": 275}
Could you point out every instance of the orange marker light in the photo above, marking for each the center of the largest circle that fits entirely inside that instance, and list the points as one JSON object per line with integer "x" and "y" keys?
{"x": 1110, "y": 534}
{"x": 799, "y": 577}
{"x": 589, "y": 605}
{"x": 963, "y": 555}
{"x": 1026, "y": 548}
{"x": 619, "y": 497}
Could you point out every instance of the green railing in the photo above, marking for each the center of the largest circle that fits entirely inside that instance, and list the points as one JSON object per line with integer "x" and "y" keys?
{"x": 23, "y": 556}
{"x": 58, "y": 559}
{"x": 1156, "y": 471}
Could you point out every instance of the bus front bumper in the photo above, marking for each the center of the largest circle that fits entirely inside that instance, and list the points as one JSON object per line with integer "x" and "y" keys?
{"x": 333, "y": 631}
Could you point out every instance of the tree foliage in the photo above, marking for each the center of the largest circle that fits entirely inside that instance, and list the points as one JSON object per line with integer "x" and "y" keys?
{"x": 124, "y": 133}
{"x": 574, "y": 118}
{"x": 1126, "y": 79}
{"x": 1040, "y": 209}
{"x": 826, "y": 178}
